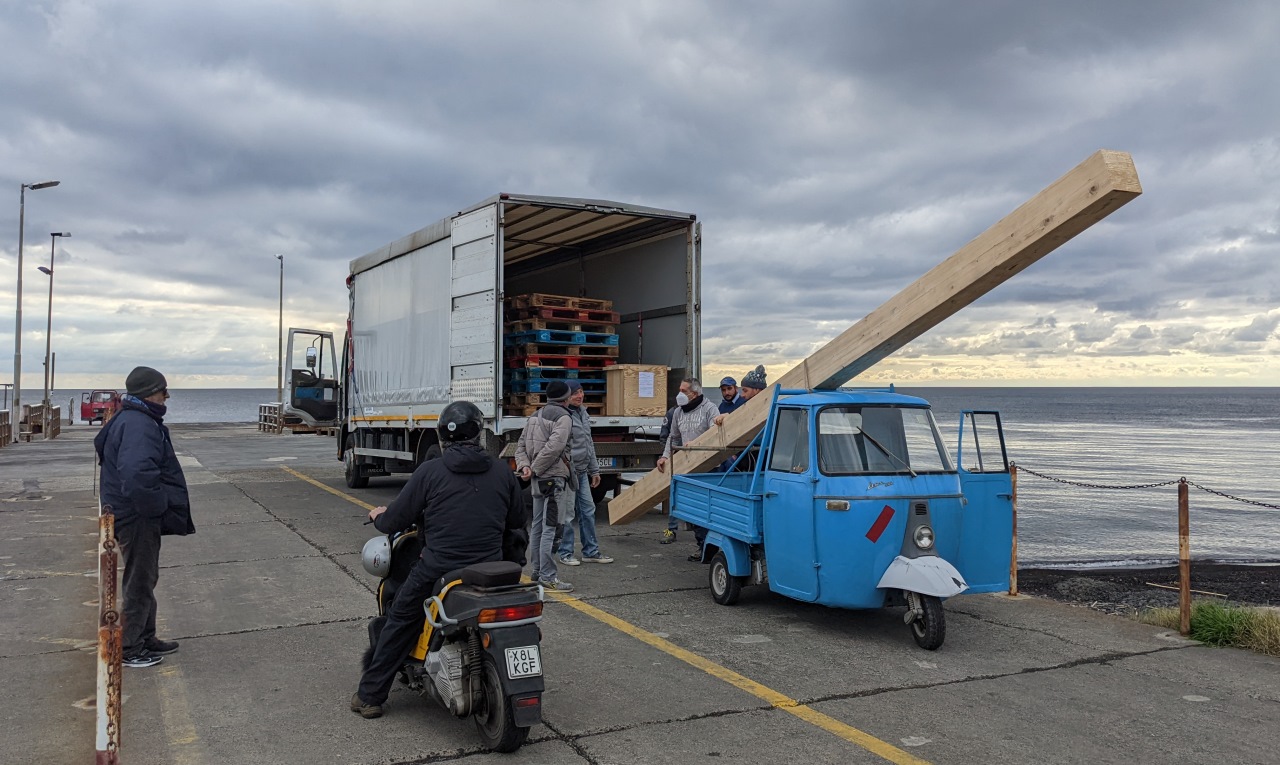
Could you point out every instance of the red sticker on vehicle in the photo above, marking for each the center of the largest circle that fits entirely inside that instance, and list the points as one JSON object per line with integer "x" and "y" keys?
{"x": 881, "y": 524}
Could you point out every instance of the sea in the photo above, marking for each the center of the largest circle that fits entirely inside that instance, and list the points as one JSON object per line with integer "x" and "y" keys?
{"x": 1226, "y": 441}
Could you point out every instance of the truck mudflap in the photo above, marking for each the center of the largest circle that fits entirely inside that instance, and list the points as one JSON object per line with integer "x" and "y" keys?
{"x": 927, "y": 575}
{"x": 736, "y": 552}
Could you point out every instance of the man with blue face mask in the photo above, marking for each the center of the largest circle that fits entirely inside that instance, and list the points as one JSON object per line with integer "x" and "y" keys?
{"x": 694, "y": 416}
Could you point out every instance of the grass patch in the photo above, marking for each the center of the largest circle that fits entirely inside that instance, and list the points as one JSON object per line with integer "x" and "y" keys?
{"x": 1214, "y": 623}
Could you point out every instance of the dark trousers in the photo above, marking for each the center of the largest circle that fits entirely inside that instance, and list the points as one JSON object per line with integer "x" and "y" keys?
{"x": 399, "y": 634}
{"x": 139, "y": 540}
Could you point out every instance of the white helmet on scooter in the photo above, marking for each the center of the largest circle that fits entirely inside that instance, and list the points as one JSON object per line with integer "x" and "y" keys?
{"x": 376, "y": 556}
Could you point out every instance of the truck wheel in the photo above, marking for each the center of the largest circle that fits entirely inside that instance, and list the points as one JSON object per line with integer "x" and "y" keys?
{"x": 929, "y": 629}
{"x": 350, "y": 470}
{"x": 725, "y": 587}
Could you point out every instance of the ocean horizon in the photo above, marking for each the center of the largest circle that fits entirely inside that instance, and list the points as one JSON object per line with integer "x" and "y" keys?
{"x": 1225, "y": 440}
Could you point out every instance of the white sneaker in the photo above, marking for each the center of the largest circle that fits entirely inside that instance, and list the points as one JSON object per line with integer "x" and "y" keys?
{"x": 569, "y": 560}
{"x": 601, "y": 558}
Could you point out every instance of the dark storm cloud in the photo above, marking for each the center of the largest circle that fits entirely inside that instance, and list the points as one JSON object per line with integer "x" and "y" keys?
{"x": 835, "y": 151}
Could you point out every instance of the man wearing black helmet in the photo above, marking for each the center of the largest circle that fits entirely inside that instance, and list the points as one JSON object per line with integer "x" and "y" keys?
{"x": 469, "y": 509}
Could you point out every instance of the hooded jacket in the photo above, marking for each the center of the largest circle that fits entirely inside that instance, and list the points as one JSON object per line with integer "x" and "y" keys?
{"x": 544, "y": 443}
{"x": 141, "y": 477}
{"x": 582, "y": 449}
{"x": 468, "y": 508}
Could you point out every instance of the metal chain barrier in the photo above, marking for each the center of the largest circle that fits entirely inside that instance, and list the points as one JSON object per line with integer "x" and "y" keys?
{"x": 1023, "y": 469}
{"x": 1229, "y": 496}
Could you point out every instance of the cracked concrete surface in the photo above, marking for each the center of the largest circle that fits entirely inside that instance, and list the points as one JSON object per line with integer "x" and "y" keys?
{"x": 270, "y": 604}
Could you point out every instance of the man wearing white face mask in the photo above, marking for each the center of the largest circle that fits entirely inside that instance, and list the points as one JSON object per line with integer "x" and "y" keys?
{"x": 694, "y": 415}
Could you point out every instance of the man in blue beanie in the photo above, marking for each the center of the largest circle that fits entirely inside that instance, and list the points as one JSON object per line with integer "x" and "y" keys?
{"x": 143, "y": 485}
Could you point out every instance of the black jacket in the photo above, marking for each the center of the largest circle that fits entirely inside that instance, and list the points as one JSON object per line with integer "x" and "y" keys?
{"x": 468, "y": 508}
{"x": 141, "y": 477}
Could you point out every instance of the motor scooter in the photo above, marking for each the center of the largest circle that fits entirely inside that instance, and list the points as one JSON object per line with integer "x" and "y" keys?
{"x": 479, "y": 652}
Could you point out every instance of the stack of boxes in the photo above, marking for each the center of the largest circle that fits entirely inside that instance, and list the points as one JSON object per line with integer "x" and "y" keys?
{"x": 555, "y": 337}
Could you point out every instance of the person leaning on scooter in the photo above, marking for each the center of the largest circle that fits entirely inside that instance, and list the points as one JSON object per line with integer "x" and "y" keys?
{"x": 469, "y": 510}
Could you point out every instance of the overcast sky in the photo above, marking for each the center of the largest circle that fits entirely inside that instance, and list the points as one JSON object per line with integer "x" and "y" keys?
{"x": 835, "y": 151}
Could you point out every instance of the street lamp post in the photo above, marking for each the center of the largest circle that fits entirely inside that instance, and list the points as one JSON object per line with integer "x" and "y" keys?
{"x": 48, "y": 332}
{"x": 280, "y": 353}
{"x": 17, "y": 325}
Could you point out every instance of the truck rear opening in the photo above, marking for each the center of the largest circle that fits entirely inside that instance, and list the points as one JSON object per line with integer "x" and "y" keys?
{"x": 426, "y": 320}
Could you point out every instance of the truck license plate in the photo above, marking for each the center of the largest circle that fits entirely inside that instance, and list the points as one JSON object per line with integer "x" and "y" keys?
{"x": 523, "y": 662}
{"x": 604, "y": 462}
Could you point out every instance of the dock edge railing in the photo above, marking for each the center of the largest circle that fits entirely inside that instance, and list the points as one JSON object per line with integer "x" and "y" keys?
{"x": 1184, "y": 528}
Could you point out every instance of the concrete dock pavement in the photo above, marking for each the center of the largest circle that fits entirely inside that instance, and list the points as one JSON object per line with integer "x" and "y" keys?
{"x": 270, "y": 604}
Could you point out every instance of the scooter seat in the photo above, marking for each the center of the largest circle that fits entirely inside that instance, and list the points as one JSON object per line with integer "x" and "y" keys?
{"x": 498, "y": 573}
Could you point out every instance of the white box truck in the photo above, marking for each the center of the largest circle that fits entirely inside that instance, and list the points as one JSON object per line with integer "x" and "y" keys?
{"x": 425, "y": 325}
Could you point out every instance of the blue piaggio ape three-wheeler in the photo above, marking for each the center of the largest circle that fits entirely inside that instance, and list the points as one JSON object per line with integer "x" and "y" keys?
{"x": 848, "y": 498}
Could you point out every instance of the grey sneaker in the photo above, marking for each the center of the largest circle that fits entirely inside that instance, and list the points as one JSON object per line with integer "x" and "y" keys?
{"x": 601, "y": 558}
{"x": 569, "y": 560}
{"x": 668, "y": 536}
{"x": 556, "y": 585}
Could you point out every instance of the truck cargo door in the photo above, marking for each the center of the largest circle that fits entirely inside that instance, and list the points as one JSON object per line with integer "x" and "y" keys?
{"x": 986, "y": 520}
{"x": 474, "y": 312}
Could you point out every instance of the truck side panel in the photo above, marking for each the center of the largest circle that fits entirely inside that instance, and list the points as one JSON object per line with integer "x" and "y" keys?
{"x": 400, "y": 320}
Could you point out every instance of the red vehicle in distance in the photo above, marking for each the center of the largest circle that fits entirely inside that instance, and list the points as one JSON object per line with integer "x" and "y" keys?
{"x": 98, "y": 405}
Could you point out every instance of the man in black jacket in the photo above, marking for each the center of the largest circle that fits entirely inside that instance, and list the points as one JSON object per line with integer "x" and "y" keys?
{"x": 469, "y": 509}
{"x": 143, "y": 485}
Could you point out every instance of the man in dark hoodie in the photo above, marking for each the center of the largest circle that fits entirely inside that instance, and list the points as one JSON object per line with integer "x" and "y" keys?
{"x": 143, "y": 485}
{"x": 469, "y": 509}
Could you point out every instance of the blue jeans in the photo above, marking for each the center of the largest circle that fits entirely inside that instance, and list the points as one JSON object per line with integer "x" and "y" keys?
{"x": 586, "y": 518}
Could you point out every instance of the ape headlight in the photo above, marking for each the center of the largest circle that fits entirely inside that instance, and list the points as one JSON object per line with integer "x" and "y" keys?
{"x": 924, "y": 537}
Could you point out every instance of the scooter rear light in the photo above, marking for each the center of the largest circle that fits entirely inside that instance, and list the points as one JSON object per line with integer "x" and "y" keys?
{"x": 510, "y": 613}
{"x": 528, "y": 701}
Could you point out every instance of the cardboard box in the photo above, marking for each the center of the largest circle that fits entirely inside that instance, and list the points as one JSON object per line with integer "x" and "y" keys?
{"x": 635, "y": 390}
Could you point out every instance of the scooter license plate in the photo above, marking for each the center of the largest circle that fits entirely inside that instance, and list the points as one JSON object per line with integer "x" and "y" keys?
{"x": 524, "y": 662}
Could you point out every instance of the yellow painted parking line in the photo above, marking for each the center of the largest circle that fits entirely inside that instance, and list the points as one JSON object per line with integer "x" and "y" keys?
{"x": 329, "y": 489}
{"x": 774, "y": 698}
{"x": 778, "y": 700}
{"x": 175, "y": 712}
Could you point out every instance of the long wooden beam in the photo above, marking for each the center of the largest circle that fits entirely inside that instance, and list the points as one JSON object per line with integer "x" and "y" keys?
{"x": 1090, "y": 192}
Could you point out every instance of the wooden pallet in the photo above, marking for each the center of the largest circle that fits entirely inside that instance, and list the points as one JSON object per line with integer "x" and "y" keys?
{"x": 563, "y": 351}
{"x": 528, "y": 325}
{"x": 528, "y": 410}
{"x": 590, "y": 385}
{"x": 548, "y": 373}
{"x": 538, "y": 300}
{"x": 539, "y": 399}
{"x": 554, "y": 360}
{"x": 562, "y": 314}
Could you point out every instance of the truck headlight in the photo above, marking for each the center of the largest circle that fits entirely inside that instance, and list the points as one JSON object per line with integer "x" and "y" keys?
{"x": 924, "y": 537}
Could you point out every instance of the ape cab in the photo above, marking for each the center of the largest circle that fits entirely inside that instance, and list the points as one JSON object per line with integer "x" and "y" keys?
{"x": 849, "y": 498}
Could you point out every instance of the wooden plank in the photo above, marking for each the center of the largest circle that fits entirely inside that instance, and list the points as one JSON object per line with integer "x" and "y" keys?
{"x": 1088, "y": 193}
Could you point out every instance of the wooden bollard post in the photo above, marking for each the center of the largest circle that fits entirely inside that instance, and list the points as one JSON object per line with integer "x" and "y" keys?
{"x": 1013, "y": 559}
{"x": 1184, "y": 558}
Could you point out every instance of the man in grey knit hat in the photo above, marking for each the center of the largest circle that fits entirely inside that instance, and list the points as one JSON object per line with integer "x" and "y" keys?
{"x": 543, "y": 458}
{"x": 144, "y": 486}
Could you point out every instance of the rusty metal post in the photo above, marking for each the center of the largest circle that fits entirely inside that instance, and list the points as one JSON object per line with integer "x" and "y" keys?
{"x": 109, "y": 643}
{"x": 1013, "y": 560}
{"x": 1184, "y": 558}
